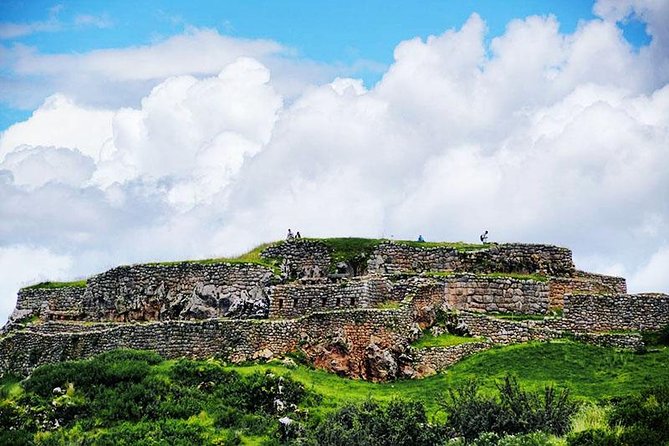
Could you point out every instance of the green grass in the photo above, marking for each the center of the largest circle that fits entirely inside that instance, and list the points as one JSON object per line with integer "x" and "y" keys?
{"x": 389, "y": 305}
{"x": 443, "y": 340}
{"x": 590, "y": 372}
{"x": 353, "y": 250}
{"x": 535, "y": 277}
{"x": 251, "y": 257}
{"x": 518, "y": 317}
{"x": 56, "y": 285}
{"x": 458, "y": 246}
{"x": 517, "y": 276}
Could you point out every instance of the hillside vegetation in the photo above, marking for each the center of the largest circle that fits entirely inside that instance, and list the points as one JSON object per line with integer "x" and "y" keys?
{"x": 527, "y": 394}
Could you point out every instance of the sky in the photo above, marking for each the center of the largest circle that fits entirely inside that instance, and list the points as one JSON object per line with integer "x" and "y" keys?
{"x": 145, "y": 131}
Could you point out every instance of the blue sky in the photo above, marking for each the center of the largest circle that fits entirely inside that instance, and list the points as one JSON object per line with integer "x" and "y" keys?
{"x": 332, "y": 32}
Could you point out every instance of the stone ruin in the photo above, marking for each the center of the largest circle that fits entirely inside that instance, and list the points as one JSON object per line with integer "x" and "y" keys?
{"x": 357, "y": 320}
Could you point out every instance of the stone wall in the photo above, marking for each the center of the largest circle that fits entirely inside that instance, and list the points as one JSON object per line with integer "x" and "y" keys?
{"x": 429, "y": 360}
{"x": 502, "y": 331}
{"x": 55, "y": 303}
{"x": 585, "y": 283}
{"x": 394, "y": 258}
{"x": 297, "y": 299}
{"x": 177, "y": 291}
{"x": 301, "y": 258}
{"x": 594, "y": 312}
{"x": 628, "y": 341}
{"x": 352, "y": 340}
{"x": 491, "y": 294}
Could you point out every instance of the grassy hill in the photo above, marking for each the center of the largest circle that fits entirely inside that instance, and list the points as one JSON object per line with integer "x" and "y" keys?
{"x": 128, "y": 397}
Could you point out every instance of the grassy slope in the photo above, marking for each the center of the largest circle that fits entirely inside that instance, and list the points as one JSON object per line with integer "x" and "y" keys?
{"x": 590, "y": 372}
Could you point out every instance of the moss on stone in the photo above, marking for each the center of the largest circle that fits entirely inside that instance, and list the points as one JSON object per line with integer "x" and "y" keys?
{"x": 56, "y": 285}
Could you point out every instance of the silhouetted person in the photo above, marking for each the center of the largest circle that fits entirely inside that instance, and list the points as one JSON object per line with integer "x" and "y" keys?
{"x": 421, "y": 239}
{"x": 484, "y": 237}
{"x": 297, "y": 235}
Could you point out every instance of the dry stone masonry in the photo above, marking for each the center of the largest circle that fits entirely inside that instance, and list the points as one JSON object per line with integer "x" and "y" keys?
{"x": 355, "y": 319}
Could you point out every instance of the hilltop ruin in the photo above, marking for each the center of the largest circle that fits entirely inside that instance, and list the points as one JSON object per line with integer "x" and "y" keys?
{"x": 350, "y": 306}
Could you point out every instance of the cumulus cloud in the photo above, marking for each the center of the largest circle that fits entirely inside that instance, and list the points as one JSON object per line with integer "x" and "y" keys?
{"x": 652, "y": 276}
{"x": 37, "y": 166}
{"x": 119, "y": 77}
{"x": 21, "y": 265}
{"x": 538, "y": 136}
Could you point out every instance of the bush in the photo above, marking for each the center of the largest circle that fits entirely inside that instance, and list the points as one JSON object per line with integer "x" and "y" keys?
{"x": 258, "y": 392}
{"x": 471, "y": 414}
{"x": 107, "y": 369}
{"x": 649, "y": 410}
{"x": 516, "y": 412}
{"x": 371, "y": 424}
{"x": 593, "y": 437}
{"x": 16, "y": 437}
{"x": 195, "y": 373}
{"x": 532, "y": 411}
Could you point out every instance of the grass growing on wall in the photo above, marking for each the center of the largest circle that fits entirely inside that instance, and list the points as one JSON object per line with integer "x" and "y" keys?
{"x": 458, "y": 246}
{"x": 251, "y": 257}
{"x": 352, "y": 250}
{"x": 517, "y": 317}
{"x": 443, "y": 340}
{"x": 517, "y": 276}
{"x": 56, "y": 285}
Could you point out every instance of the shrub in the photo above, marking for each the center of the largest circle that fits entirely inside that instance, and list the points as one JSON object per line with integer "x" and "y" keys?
{"x": 194, "y": 373}
{"x": 371, "y": 424}
{"x": 593, "y": 437}
{"x": 644, "y": 415}
{"x": 516, "y": 411}
{"x": 107, "y": 369}
{"x": 532, "y": 411}
{"x": 260, "y": 390}
{"x": 16, "y": 437}
{"x": 471, "y": 414}
{"x": 130, "y": 401}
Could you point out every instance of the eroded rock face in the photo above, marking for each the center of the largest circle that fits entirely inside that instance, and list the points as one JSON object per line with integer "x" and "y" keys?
{"x": 182, "y": 291}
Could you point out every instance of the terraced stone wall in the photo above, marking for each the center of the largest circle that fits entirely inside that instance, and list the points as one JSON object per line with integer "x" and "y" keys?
{"x": 584, "y": 283}
{"x": 51, "y": 303}
{"x": 395, "y": 258}
{"x": 598, "y": 312}
{"x": 491, "y": 294}
{"x": 297, "y": 299}
{"x": 504, "y": 331}
{"x": 302, "y": 258}
{"x": 362, "y": 336}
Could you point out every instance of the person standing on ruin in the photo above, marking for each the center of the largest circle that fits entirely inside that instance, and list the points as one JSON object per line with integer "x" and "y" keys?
{"x": 290, "y": 235}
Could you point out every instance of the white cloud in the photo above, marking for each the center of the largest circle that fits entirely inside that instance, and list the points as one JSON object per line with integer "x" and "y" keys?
{"x": 538, "y": 137}
{"x": 97, "y": 21}
{"x": 37, "y": 166}
{"x": 653, "y": 275}
{"x": 61, "y": 122}
{"x": 22, "y": 265}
